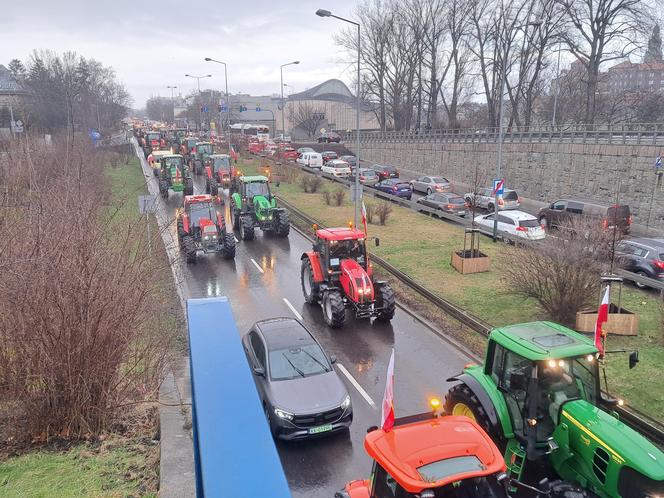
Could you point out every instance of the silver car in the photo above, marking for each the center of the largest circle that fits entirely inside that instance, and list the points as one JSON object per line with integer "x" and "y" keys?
{"x": 485, "y": 199}
{"x": 430, "y": 184}
{"x": 368, "y": 177}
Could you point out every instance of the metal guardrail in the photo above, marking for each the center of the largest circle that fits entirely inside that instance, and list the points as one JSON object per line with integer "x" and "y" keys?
{"x": 618, "y": 134}
{"x": 639, "y": 421}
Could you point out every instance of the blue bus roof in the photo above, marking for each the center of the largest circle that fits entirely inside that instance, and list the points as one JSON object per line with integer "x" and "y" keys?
{"x": 234, "y": 450}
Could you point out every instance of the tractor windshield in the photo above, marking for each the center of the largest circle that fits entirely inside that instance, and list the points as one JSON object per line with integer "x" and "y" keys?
{"x": 173, "y": 162}
{"x": 204, "y": 148}
{"x": 342, "y": 249}
{"x": 199, "y": 211}
{"x": 253, "y": 189}
{"x": 153, "y": 136}
{"x": 221, "y": 163}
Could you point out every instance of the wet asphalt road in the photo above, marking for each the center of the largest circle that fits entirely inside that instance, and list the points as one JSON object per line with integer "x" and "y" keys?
{"x": 263, "y": 282}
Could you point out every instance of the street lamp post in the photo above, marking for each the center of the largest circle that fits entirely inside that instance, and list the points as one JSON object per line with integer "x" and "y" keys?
{"x": 283, "y": 109}
{"x": 227, "y": 101}
{"x": 503, "y": 78}
{"x": 172, "y": 100}
{"x": 200, "y": 113}
{"x": 358, "y": 200}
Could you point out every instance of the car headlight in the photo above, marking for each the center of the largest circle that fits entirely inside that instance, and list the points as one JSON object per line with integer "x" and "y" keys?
{"x": 283, "y": 414}
{"x": 346, "y": 402}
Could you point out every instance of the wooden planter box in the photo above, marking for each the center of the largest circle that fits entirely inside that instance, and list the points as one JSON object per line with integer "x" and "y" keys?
{"x": 624, "y": 323}
{"x": 464, "y": 263}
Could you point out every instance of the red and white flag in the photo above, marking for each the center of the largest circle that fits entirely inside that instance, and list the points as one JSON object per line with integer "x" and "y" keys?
{"x": 364, "y": 217}
{"x": 387, "y": 412}
{"x": 602, "y": 317}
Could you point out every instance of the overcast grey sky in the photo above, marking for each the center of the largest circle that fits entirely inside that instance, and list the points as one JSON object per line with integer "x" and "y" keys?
{"x": 152, "y": 44}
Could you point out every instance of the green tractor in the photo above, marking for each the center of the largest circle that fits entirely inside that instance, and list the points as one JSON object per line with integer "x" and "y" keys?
{"x": 538, "y": 396}
{"x": 174, "y": 175}
{"x": 200, "y": 156}
{"x": 252, "y": 205}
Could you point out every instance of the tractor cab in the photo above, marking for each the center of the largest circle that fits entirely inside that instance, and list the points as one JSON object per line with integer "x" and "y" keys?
{"x": 426, "y": 456}
{"x": 220, "y": 162}
{"x": 153, "y": 139}
{"x": 171, "y": 162}
{"x": 334, "y": 245}
{"x": 204, "y": 148}
{"x": 202, "y": 212}
{"x": 201, "y": 227}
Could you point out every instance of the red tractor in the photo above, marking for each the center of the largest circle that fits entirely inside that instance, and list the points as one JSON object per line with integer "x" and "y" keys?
{"x": 429, "y": 456}
{"x": 337, "y": 274}
{"x": 202, "y": 227}
{"x": 218, "y": 173}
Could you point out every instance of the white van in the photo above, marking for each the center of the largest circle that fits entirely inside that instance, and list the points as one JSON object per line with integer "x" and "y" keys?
{"x": 311, "y": 160}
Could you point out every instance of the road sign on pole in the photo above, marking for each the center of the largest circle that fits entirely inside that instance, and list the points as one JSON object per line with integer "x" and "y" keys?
{"x": 499, "y": 187}
{"x": 145, "y": 204}
{"x": 658, "y": 163}
{"x": 258, "y": 109}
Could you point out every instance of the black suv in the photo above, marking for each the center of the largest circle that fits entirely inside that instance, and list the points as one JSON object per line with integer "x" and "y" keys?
{"x": 563, "y": 210}
{"x": 642, "y": 256}
{"x": 329, "y": 136}
{"x": 384, "y": 172}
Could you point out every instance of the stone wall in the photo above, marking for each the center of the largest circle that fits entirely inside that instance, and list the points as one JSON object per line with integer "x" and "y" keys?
{"x": 542, "y": 171}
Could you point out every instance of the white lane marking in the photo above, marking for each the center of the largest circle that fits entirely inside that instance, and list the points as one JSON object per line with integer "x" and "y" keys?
{"x": 236, "y": 241}
{"x": 356, "y": 385}
{"x": 292, "y": 308}
{"x": 257, "y": 265}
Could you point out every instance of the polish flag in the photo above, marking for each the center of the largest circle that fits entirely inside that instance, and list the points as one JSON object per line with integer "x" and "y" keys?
{"x": 387, "y": 413}
{"x": 602, "y": 317}
{"x": 364, "y": 217}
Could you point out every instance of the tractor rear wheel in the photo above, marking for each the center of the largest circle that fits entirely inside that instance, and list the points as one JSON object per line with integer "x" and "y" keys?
{"x": 386, "y": 302}
{"x": 188, "y": 186}
{"x": 189, "y": 247}
{"x": 310, "y": 289}
{"x": 281, "y": 223}
{"x": 213, "y": 187}
{"x": 247, "y": 228}
{"x": 228, "y": 245}
{"x": 163, "y": 188}
{"x": 180, "y": 231}
{"x": 460, "y": 400}
{"x": 334, "y": 310}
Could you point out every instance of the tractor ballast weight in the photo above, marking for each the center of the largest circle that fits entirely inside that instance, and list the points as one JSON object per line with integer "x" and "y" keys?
{"x": 337, "y": 275}
{"x": 538, "y": 396}
{"x": 253, "y": 205}
{"x": 175, "y": 176}
{"x": 202, "y": 227}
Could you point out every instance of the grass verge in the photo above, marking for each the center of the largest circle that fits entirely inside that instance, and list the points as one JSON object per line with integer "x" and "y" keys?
{"x": 421, "y": 246}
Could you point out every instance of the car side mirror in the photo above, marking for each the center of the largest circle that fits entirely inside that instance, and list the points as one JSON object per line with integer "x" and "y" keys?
{"x": 377, "y": 241}
{"x": 633, "y": 359}
{"x": 333, "y": 359}
{"x": 260, "y": 371}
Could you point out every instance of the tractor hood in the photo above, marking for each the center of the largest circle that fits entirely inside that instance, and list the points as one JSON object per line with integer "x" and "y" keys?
{"x": 355, "y": 281}
{"x": 262, "y": 207}
{"x": 626, "y": 446}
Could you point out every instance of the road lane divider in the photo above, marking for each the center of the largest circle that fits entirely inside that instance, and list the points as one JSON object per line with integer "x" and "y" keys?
{"x": 356, "y": 385}
{"x": 257, "y": 265}
{"x": 292, "y": 308}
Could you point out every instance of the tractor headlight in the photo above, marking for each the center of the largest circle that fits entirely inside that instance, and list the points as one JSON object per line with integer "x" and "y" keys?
{"x": 214, "y": 237}
{"x": 283, "y": 414}
{"x": 269, "y": 217}
{"x": 346, "y": 402}
{"x": 207, "y": 237}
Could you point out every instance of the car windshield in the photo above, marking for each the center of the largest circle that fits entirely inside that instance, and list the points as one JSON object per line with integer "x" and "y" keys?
{"x": 199, "y": 211}
{"x": 301, "y": 361}
{"x": 221, "y": 163}
{"x": 204, "y": 148}
{"x": 403, "y": 186}
{"x": 369, "y": 173}
{"x": 439, "y": 179}
{"x": 529, "y": 223}
{"x": 257, "y": 188}
{"x": 510, "y": 195}
{"x": 456, "y": 200}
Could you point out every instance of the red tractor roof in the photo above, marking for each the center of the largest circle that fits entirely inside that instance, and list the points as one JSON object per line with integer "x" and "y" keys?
{"x": 342, "y": 233}
{"x": 415, "y": 453}
{"x": 193, "y": 199}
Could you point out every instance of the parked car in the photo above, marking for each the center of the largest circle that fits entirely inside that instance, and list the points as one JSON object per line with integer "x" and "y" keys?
{"x": 486, "y": 200}
{"x": 394, "y": 187}
{"x": 301, "y": 393}
{"x": 336, "y": 167}
{"x": 302, "y": 150}
{"x": 351, "y": 160}
{"x": 430, "y": 184}
{"x": 643, "y": 256}
{"x": 446, "y": 202}
{"x": 328, "y": 155}
{"x": 311, "y": 160}
{"x": 563, "y": 210}
{"x": 288, "y": 154}
{"x": 513, "y": 222}
{"x": 368, "y": 177}
{"x": 384, "y": 171}
{"x": 329, "y": 136}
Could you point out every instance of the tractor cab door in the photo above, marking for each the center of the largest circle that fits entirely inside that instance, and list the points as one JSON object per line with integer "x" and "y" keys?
{"x": 512, "y": 373}
{"x": 383, "y": 485}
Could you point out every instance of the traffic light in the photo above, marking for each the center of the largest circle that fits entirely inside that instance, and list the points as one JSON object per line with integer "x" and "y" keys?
{"x": 243, "y": 108}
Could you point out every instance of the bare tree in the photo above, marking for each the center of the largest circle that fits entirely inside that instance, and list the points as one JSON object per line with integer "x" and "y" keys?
{"x": 307, "y": 116}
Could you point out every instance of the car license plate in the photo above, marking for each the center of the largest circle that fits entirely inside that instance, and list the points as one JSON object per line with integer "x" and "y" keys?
{"x": 320, "y": 428}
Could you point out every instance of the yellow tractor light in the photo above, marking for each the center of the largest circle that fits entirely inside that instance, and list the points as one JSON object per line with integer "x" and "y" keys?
{"x": 552, "y": 363}
{"x": 434, "y": 403}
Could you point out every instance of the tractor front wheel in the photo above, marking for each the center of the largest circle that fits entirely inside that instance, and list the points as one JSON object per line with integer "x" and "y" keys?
{"x": 189, "y": 247}
{"x": 310, "y": 289}
{"x": 247, "y": 228}
{"x": 163, "y": 188}
{"x": 180, "y": 231}
{"x": 281, "y": 223}
{"x": 460, "y": 400}
{"x": 386, "y": 302}
{"x": 228, "y": 245}
{"x": 214, "y": 187}
{"x": 334, "y": 310}
{"x": 188, "y": 186}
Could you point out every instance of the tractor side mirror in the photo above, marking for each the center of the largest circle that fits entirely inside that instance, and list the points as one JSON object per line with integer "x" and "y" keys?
{"x": 260, "y": 371}
{"x": 633, "y": 359}
{"x": 377, "y": 241}
{"x": 333, "y": 359}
